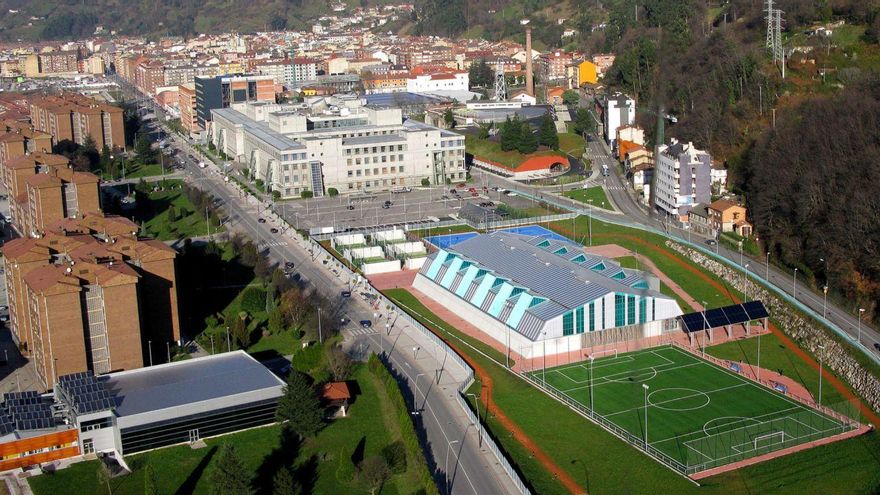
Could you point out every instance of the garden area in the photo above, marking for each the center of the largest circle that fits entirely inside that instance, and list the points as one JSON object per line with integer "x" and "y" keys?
{"x": 171, "y": 209}
{"x": 592, "y": 195}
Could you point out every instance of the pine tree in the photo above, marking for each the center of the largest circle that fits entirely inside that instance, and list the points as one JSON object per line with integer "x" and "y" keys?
{"x": 528, "y": 142}
{"x": 229, "y": 475}
{"x": 506, "y": 134}
{"x": 548, "y": 136}
{"x": 283, "y": 483}
{"x": 299, "y": 406}
{"x": 172, "y": 214}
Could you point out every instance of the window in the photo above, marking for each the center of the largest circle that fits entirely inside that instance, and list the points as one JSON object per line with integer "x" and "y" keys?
{"x": 642, "y": 310}
{"x": 568, "y": 323}
{"x": 619, "y": 310}
{"x": 579, "y": 319}
{"x": 592, "y": 316}
{"x": 630, "y": 310}
{"x": 88, "y": 446}
{"x": 602, "y": 322}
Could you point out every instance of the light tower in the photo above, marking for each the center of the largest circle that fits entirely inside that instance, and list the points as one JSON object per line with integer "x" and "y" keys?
{"x": 500, "y": 83}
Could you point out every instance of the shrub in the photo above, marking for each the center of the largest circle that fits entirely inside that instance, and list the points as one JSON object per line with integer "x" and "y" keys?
{"x": 395, "y": 455}
{"x": 253, "y": 300}
{"x": 426, "y": 182}
{"x": 276, "y": 195}
{"x": 332, "y": 192}
{"x": 306, "y": 194}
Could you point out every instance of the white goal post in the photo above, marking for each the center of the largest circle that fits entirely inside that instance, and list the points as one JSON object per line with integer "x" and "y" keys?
{"x": 598, "y": 354}
{"x": 758, "y": 439}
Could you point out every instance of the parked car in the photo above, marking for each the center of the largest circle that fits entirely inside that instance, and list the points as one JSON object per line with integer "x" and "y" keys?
{"x": 387, "y": 204}
{"x": 366, "y": 323}
{"x": 273, "y": 230}
{"x": 261, "y": 220}
{"x": 877, "y": 346}
{"x": 711, "y": 242}
{"x": 350, "y": 207}
{"x": 289, "y": 264}
{"x": 345, "y": 293}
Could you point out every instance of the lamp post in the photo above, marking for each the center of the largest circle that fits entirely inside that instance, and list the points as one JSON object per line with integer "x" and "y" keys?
{"x": 590, "y": 218}
{"x": 824, "y": 300}
{"x": 320, "y": 334}
{"x": 794, "y": 285}
{"x": 646, "y": 387}
{"x": 746, "y": 282}
{"x": 479, "y": 423}
{"x": 446, "y": 470}
{"x": 821, "y": 348}
{"x": 150, "y": 347}
{"x": 861, "y": 310}
{"x": 592, "y": 410}
{"x": 708, "y": 329}
{"x": 768, "y": 266}
{"x": 544, "y": 366}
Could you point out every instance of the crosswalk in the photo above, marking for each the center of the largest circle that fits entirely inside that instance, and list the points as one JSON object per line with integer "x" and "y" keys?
{"x": 272, "y": 244}
{"x": 360, "y": 331}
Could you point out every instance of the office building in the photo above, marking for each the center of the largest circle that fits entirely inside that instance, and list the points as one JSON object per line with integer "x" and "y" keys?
{"x": 523, "y": 290}
{"x": 88, "y": 294}
{"x": 224, "y": 91}
{"x": 683, "y": 179}
{"x": 336, "y": 143}
{"x": 75, "y": 117}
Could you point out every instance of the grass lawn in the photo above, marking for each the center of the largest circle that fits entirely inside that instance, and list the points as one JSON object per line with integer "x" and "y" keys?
{"x": 851, "y": 466}
{"x": 701, "y": 416}
{"x": 491, "y": 150}
{"x": 629, "y": 262}
{"x": 372, "y": 419}
{"x": 595, "y": 193}
{"x": 139, "y": 170}
{"x": 776, "y": 357}
{"x": 571, "y": 143}
{"x": 189, "y": 223}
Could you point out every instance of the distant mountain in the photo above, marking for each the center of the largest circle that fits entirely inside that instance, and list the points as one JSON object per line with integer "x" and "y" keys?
{"x": 30, "y": 20}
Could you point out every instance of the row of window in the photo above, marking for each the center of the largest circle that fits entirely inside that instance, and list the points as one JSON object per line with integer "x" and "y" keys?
{"x": 624, "y": 314}
{"x": 375, "y": 159}
{"x": 374, "y": 149}
{"x": 384, "y": 170}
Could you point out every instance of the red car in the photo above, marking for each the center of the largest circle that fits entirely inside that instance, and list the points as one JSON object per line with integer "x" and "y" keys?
{"x": 460, "y": 186}
{"x": 475, "y": 194}
{"x": 473, "y": 190}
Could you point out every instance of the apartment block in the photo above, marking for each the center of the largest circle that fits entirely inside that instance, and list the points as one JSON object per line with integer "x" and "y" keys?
{"x": 75, "y": 117}
{"x": 186, "y": 100}
{"x": 335, "y": 142}
{"x": 683, "y": 179}
{"x": 17, "y": 139}
{"x": 88, "y": 294}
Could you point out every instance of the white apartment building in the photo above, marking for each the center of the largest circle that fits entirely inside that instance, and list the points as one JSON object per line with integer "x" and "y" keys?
{"x": 683, "y": 179}
{"x": 444, "y": 81}
{"x": 620, "y": 110}
{"x": 305, "y": 69}
{"x": 335, "y": 143}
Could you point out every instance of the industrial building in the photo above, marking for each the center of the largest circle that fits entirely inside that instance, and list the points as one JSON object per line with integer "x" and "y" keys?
{"x": 522, "y": 290}
{"x": 134, "y": 411}
{"x": 335, "y": 142}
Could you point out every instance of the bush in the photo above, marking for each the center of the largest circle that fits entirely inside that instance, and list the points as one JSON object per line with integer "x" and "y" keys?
{"x": 395, "y": 455}
{"x": 426, "y": 182}
{"x": 306, "y": 194}
{"x": 332, "y": 192}
{"x": 276, "y": 195}
{"x": 253, "y": 300}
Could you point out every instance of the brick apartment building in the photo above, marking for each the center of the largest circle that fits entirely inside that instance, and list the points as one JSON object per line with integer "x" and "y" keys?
{"x": 74, "y": 117}
{"x": 43, "y": 189}
{"x": 88, "y": 295}
{"x": 186, "y": 100}
{"x": 17, "y": 139}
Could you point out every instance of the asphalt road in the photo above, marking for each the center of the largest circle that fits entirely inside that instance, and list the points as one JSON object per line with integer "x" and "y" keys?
{"x": 450, "y": 437}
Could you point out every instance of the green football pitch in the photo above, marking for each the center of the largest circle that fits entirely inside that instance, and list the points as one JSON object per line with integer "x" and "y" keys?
{"x": 699, "y": 415}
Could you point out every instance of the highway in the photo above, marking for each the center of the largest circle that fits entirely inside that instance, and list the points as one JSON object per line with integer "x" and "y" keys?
{"x": 451, "y": 439}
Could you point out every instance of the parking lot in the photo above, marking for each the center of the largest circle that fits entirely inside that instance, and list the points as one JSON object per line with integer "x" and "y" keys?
{"x": 389, "y": 208}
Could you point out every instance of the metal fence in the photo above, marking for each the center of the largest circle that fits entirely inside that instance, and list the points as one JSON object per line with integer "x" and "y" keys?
{"x": 486, "y": 440}
{"x": 515, "y": 222}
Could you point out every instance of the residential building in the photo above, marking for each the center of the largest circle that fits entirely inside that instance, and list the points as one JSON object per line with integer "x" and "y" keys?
{"x": 603, "y": 62}
{"x": 87, "y": 294}
{"x": 447, "y": 80}
{"x": 553, "y": 65}
{"x": 75, "y": 117}
{"x": 631, "y": 133}
{"x": 305, "y": 69}
{"x": 699, "y": 221}
{"x": 186, "y": 100}
{"x": 529, "y": 293}
{"x": 554, "y": 95}
{"x": 336, "y": 142}
{"x": 224, "y": 91}
{"x": 384, "y": 83}
{"x": 17, "y": 139}
{"x": 729, "y": 216}
{"x": 683, "y": 179}
{"x": 618, "y": 110}
{"x": 588, "y": 73}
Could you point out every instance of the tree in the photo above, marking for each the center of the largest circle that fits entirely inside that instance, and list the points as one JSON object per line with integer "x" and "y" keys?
{"x": 528, "y": 142}
{"x": 426, "y": 182}
{"x": 150, "y": 482}
{"x": 480, "y": 74}
{"x": 484, "y": 131}
{"x": 571, "y": 97}
{"x": 306, "y": 194}
{"x": 284, "y": 483}
{"x": 144, "y": 150}
{"x": 229, "y": 475}
{"x": 106, "y": 158}
{"x": 103, "y": 473}
{"x": 276, "y": 321}
{"x": 395, "y": 455}
{"x": 249, "y": 254}
{"x": 294, "y": 306}
{"x": 172, "y": 214}
{"x": 584, "y": 122}
{"x": 510, "y": 134}
{"x": 374, "y": 473}
{"x": 332, "y": 192}
{"x": 338, "y": 363}
{"x": 239, "y": 329}
{"x": 299, "y": 408}
{"x": 449, "y": 118}
{"x": 262, "y": 268}
{"x": 547, "y": 135}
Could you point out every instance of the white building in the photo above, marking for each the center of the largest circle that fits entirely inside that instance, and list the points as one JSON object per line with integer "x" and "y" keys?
{"x": 304, "y": 69}
{"x": 620, "y": 110}
{"x": 336, "y": 143}
{"x": 443, "y": 81}
{"x": 683, "y": 178}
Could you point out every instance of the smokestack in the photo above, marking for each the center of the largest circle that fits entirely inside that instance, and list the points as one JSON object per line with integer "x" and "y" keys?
{"x": 530, "y": 82}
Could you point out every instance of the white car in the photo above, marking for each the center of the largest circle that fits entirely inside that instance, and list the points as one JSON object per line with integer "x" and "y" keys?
{"x": 203, "y": 165}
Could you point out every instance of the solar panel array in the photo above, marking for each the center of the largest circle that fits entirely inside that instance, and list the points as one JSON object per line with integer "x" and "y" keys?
{"x": 728, "y": 315}
{"x": 28, "y": 411}
{"x": 7, "y": 426}
{"x": 85, "y": 393}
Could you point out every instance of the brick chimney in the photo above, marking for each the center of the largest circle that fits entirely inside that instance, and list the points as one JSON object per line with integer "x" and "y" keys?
{"x": 530, "y": 82}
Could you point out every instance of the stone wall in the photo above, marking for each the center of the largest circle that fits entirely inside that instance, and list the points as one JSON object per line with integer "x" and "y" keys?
{"x": 808, "y": 333}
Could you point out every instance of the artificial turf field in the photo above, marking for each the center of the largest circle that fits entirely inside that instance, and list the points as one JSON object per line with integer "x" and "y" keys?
{"x": 699, "y": 415}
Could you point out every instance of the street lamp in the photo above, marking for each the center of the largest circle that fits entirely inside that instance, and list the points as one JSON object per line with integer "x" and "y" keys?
{"x": 479, "y": 423}
{"x": 824, "y": 300}
{"x": 646, "y": 387}
{"x": 768, "y": 266}
{"x": 746, "y": 282}
{"x": 150, "y": 347}
{"x": 794, "y": 285}
{"x": 592, "y": 410}
{"x": 861, "y": 310}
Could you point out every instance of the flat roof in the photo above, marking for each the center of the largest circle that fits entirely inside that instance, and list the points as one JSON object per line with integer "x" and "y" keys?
{"x": 259, "y": 130}
{"x": 186, "y": 387}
